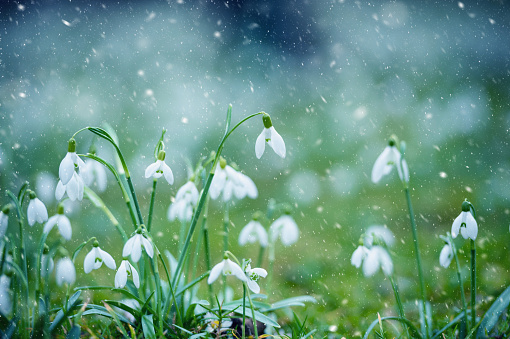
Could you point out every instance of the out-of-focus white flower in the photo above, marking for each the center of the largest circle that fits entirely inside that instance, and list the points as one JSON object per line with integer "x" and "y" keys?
{"x": 94, "y": 172}
{"x": 62, "y": 222}
{"x": 125, "y": 270}
{"x": 466, "y": 223}
{"x": 36, "y": 212}
{"x": 74, "y": 188}
{"x": 381, "y": 233}
{"x": 4, "y": 220}
{"x": 286, "y": 228}
{"x": 160, "y": 168}
{"x": 47, "y": 263}
{"x": 65, "y": 272}
{"x": 185, "y": 201}
{"x": 253, "y": 275}
{"x": 252, "y": 232}
{"x": 214, "y": 325}
{"x": 359, "y": 255}
{"x": 95, "y": 258}
{"x": 135, "y": 244}
{"x": 227, "y": 267}
{"x": 446, "y": 255}
{"x": 67, "y": 165}
{"x": 231, "y": 183}
{"x": 387, "y": 159}
{"x": 5, "y": 295}
{"x": 376, "y": 258}
{"x": 272, "y": 138}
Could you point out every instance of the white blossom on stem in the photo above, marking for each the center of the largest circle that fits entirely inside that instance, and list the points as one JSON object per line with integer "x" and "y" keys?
{"x": 286, "y": 229}
{"x": 65, "y": 272}
{"x": 125, "y": 270}
{"x": 446, "y": 255}
{"x": 271, "y": 136}
{"x": 159, "y": 168}
{"x": 36, "y": 211}
{"x": 185, "y": 201}
{"x": 231, "y": 183}
{"x": 227, "y": 267}
{"x": 94, "y": 172}
{"x": 252, "y": 232}
{"x": 62, "y": 222}
{"x": 376, "y": 258}
{"x": 67, "y": 165}
{"x": 135, "y": 244}
{"x": 74, "y": 188}
{"x": 359, "y": 255}
{"x": 5, "y": 295}
{"x": 95, "y": 258}
{"x": 4, "y": 221}
{"x": 466, "y": 223}
{"x": 253, "y": 275}
{"x": 389, "y": 158}
{"x": 379, "y": 233}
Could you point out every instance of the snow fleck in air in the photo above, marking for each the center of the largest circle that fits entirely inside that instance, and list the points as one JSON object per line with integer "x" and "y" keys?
{"x": 67, "y": 23}
{"x": 443, "y": 175}
{"x": 461, "y": 5}
{"x": 492, "y": 21}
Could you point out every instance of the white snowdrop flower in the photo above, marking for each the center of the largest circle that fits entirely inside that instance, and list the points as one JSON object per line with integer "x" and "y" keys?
{"x": 65, "y": 272}
{"x": 227, "y": 267}
{"x": 446, "y": 255}
{"x": 185, "y": 201}
{"x": 231, "y": 183}
{"x": 160, "y": 168}
{"x": 62, "y": 222}
{"x": 125, "y": 270}
{"x": 95, "y": 258}
{"x": 94, "y": 172}
{"x": 270, "y": 136}
{"x": 135, "y": 244}
{"x": 387, "y": 159}
{"x": 252, "y": 232}
{"x": 359, "y": 255}
{"x": 4, "y": 220}
{"x": 381, "y": 233}
{"x": 376, "y": 258}
{"x": 5, "y": 295}
{"x": 36, "y": 211}
{"x": 67, "y": 165}
{"x": 74, "y": 188}
{"x": 466, "y": 223}
{"x": 253, "y": 275}
{"x": 286, "y": 228}
{"x": 214, "y": 325}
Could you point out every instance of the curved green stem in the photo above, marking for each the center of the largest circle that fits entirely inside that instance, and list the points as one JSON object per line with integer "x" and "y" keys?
{"x": 418, "y": 259}
{"x": 459, "y": 277}
{"x": 473, "y": 283}
{"x": 151, "y": 206}
{"x": 400, "y": 307}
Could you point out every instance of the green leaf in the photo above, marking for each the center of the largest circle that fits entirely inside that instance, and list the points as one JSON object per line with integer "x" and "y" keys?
{"x": 148, "y": 327}
{"x": 99, "y": 310}
{"x": 63, "y": 313}
{"x": 290, "y": 302}
{"x": 493, "y": 313}
{"x": 414, "y": 331}
{"x": 74, "y": 333}
{"x": 229, "y": 118}
{"x": 191, "y": 284}
{"x": 119, "y": 290}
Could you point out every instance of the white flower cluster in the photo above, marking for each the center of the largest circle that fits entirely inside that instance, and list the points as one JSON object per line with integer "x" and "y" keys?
{"x": 372, "y": 252}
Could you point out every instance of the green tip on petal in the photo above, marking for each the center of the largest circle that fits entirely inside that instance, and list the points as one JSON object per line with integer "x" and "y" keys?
{"x": 96, "y": 243}
{"x": 225, "y": 256}
{"x": 139, "y": 230}
{"x": 6, "y": 209}
{"x": 161, "y": 155}
{"x": 266, "y": 119}
{"x": 32, "y": 195}
{"x": 466, "y": 206}
{"x": 71, "y": 147}
{"x": 60, "y": 209}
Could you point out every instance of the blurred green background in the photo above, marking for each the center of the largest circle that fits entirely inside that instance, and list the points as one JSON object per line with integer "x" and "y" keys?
{"x": 338, "y": 78}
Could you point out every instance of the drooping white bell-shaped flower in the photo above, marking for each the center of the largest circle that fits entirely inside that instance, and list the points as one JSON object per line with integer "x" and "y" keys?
{"x": 252, "y": 232}
{"x": 67, "y": 165}
{"x": 227, "y": 267}
{"x": 286, "y": 229}
{"x": 5, "y": 295}
{"x": 125, "y": 270}
{"x": 94, "y": 173}
{"x": 65, "y": 272}
{"x": 380, "y": 233}
{"x": 36, "y": 211}
{"x": 446, "y": 255}
{"x": 62, "y": 222}
{"x": 185, "y": 201}
{"x": 376, "y": 258}
{"x": 95, "y": 258}
{"x": 47, "y": 263}
{"x": 253, "y": 275}
{"x": 159, "y": 168}
{"x": 465, "y": 223}
{"x": 271, "y": 136}
{"x": 135, "y": 244}
{"x": 231, "y": 183}
{"x": 389, "y": 158}
{"x": 74, "y": 188}
{"x": 359, "y": 255}
{"x": 4, "y": 220}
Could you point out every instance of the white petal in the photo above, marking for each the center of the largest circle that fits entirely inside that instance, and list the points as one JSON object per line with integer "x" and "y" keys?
{"x": 289, "y": 233}
{"x": 147, "y": 245}
{"x": 456, "y": 226}
{"x": 215, "y": 272}
{"x": 232, "y": 268}
{"x": 277, "y": 143}
{"x": 77, "y": 160}
{"x": 136, "y": 251}
{"x": 260, "y": 272}
{"x": 249, "y": 186}
{"x": 41, "y": 213}
{"x": 101, "y": 179}
{"x": 66, "y": 168}
{"x": 167, "y": 172}
{"x": 60, "y": 190}
{"x": 65, "y": 272}
{"x": 260, "y": 144}
{"x": 371, "y": 263}
{"x": 4, "y": 220}
{"x": 252, "y": 285}
{"x": 382, "y": 233}
{"x": 384, "y": 163}
{"x": 128, "y": 246}
{"x": 358, "y": 256}
{"x": 64, "y": 227}
{"x": 72, "y": 188}
{"x": 49, "y": 225}
{"x": 471, "y": 226}
{"x": 121, "y": 275}
{"x": 386, "y": 262}
{"x": 81, "y": 186}
{"x": 151, "y": 169}
{"x": 446, "y": 255}
{"x": 108, "y": 259}
{"x": 136, "y": 277}
{"x": 90, "y": 260}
